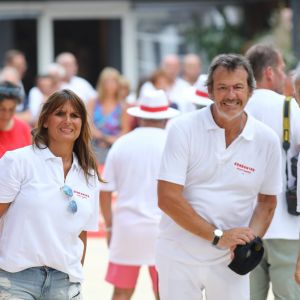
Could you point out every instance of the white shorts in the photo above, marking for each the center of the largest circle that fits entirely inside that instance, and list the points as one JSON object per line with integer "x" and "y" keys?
{"x": 178, "y": 281}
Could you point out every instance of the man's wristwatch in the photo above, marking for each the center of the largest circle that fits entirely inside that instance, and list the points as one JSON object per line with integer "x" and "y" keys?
{"x": 218, "y": 233}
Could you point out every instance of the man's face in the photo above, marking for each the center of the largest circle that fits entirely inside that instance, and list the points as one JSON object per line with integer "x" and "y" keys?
{"x": 279, "y": 76}
{"x": 230, "y": 92}
{"x": 70, "y": 65}
{"x": 7, "y": 111}
{"x": 162, "y": 83}
{"x": 171, "y": 66}
{"x": 297, "y": 90}
{"x": 20, "y": 64}
{"x": 192, "y": 68}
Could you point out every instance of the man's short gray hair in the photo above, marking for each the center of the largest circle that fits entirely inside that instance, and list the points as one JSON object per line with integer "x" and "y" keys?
{"x": 231, "y": 62}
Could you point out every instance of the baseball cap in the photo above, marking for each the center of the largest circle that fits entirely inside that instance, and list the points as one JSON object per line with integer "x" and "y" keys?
{"x": 247, "y": 257}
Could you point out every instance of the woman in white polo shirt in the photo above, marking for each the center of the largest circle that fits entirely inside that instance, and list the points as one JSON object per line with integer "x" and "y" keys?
{"x": 48, "y": 200}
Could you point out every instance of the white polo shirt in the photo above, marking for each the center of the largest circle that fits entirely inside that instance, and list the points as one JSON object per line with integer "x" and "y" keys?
{"x": 81, "y": 87}
{"x": 131, "y": 169}
{"x": 176, "y": 94}
{"x": 37, "y": 229}
{"x": 267, "y": 107}
{"x": 220, "y": 183}
{"x": 35, "y": 102}
{"x": 298, "y": 185}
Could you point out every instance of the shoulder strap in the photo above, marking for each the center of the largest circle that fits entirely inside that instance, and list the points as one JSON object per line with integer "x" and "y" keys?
{"x": 286, "y": 123}
{"x": 286, "y": 133}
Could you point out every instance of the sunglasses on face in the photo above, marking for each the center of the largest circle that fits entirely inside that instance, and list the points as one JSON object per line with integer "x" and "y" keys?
{"x": 72, "y": 206}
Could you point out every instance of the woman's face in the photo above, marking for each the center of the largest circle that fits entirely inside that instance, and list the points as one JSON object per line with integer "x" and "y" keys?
{"x": 110, "y": 85}
{"x": 64, "y": 125}
{"x": 7, "y": 111}
{"x": 162, "y": 83}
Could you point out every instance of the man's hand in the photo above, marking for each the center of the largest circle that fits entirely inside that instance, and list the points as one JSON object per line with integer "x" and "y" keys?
{"x": 297, "y": 277}
{"x": 236, "y": 236}
{"x": 297, "y": 271}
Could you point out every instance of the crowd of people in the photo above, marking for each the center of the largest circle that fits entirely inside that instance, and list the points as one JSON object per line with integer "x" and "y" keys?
{"x": 192, "y": 173}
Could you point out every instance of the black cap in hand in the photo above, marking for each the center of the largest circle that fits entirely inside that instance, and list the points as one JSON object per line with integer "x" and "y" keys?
{"x": 247, "y": 257}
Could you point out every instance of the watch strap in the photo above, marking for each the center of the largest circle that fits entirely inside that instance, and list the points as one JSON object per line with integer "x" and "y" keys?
{"x": 215, "y": 240}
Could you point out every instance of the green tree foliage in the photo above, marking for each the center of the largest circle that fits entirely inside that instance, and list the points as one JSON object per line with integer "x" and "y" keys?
{"x": 211, "y": 37}
{"x": 214, "y": 39}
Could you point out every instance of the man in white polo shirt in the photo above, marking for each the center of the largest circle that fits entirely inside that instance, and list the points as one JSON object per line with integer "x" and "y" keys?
{"x": 216, "y": 162}
{"x": 282, "y": 238}
{"x": 72, "y": 81}
{"x": 131, "y": 170}
{"x": 297, "y": 271}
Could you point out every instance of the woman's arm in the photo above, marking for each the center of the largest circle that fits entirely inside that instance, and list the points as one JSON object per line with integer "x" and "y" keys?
{"x": 125, "y": 122}
{"x": 83, "y": 237}
{"x": 90, "y": 110}
{"x": 126, "y": 119}
{"x": 105, "y": 204}
{"x": 3, "y": 208}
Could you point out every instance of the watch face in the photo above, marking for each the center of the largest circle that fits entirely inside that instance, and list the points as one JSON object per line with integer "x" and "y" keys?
{"x": 218, "y": 232}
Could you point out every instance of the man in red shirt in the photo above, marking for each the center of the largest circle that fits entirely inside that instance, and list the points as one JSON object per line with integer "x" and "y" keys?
{"x": 14, "y": 133}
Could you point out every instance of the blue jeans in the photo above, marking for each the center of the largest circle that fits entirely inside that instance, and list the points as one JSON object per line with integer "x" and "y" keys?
{"x": 39, "y": 283}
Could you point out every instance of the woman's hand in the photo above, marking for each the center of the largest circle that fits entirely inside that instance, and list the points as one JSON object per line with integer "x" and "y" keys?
{"x": 3, "y": 208}
{"x": 108, "y": 238}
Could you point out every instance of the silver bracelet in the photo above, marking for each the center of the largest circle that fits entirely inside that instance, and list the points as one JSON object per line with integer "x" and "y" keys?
{"x": 108, "y": 229}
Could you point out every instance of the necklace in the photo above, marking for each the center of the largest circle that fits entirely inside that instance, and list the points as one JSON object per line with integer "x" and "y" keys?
{"x": 231, "y": 135}
{"x": 242, "y": 125}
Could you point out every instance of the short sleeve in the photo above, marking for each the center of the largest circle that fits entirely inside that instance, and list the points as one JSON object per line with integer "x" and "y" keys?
{"x": 298, "y": 185}
{"x": 295, "y": 119}
{"x": 10, "y": 177}
{"x": 109, "y": 172}
{"x": 93, "y": 222}
{"x": 272, "y": 183}
{"x": 175, "y": 157}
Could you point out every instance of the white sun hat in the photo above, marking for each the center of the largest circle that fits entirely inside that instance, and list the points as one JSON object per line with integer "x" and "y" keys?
{"x": 200, "y": 92}
{"x": 153, "y": 104}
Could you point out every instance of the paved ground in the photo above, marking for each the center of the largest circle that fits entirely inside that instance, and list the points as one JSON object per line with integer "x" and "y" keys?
{"x": 95, "y": 288}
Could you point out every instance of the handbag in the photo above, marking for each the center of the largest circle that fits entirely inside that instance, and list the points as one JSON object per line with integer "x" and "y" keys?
{"x": 291, "y": 192}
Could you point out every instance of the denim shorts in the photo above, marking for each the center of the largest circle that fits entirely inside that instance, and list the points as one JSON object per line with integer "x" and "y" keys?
{"x": 38, "y": 283}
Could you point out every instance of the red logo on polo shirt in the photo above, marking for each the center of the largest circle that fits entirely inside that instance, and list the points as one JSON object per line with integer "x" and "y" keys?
{"x": 244, "y": 168}
{"x": 81, "y": 195}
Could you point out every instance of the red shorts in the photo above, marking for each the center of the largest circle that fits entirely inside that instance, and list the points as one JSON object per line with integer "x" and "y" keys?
{"x": 125, "y": 276}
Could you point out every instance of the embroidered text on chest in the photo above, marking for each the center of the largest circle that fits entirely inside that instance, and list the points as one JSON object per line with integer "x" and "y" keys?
{"x": 81, "y": 195}
{"x": 244, "y": 168}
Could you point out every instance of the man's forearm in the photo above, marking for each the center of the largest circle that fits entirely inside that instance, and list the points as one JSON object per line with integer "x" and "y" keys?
{"x": 297, "y": 271}
{"x": 172, "y": 202}
{"x": 263, "y": 214}
{"x": 177, "y": 208}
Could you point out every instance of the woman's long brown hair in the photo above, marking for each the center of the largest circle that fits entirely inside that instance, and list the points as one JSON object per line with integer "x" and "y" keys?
{"x": 82, "y": 146}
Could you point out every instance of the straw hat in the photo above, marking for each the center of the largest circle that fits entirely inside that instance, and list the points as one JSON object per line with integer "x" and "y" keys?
{"x": 153, "y": 104}
{"x": 200, "y": 96}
